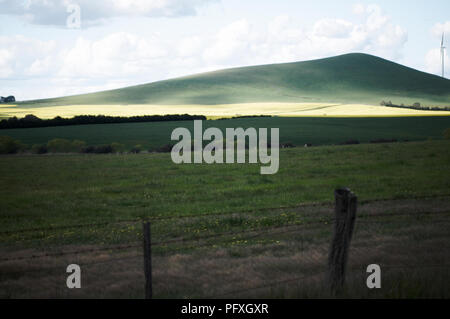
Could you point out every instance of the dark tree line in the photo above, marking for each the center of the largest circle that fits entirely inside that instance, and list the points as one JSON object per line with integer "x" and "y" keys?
{"x": 415, "y": 106}
{"x": 31, "y": 121}
{"x": 242, "y": 117}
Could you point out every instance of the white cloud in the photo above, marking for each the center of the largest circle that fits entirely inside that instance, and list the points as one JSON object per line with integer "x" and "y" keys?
{"x": 283, "y": 41}
{"x": 113, "y": 61}
{"x": 40, "y": 66}
{"x": 375, "y": 17}
{"x": 358, "y": 8}
{"x": 124, "y": 58}
{"x": 22, "y": 56}
{"x": 333, "y": 28}
{"x": 190, "y": 46}
{"x": 54, "y": 12}
{"x": 440, "y": 28}
{"x": 118, "y": 54}
{"x": 6, "y": 63}
{"x": 231, "y": 43}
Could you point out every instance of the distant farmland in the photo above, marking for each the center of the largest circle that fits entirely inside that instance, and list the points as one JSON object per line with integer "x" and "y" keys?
{"x": 299, "y": 131}
{"x": 220, "y": 110}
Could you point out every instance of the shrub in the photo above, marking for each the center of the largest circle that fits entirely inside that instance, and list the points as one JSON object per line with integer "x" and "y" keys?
{"x": 117, "y": 147}
{"x": 99, "y": 149}
{"x": 350, "y": 142}
{"x": 287, "y": 145}
{"x": 59, "y": 145}
{"x": 103, "y": 149}
{"x": 447, "y": 134}
{"x": 77, "y": 145}
{"x": 416, "y": 105}
{"x": 165, "y": 149}
{"x": 8, "y": 145}
{"x": 382, "y": 140}
{"x": 39, "y": 149}
{"x": 88, "y": 149}
{"x": 136, "y": 149}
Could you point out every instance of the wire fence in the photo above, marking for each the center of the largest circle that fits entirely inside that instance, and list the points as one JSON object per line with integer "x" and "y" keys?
{"x": 274, "y": 254}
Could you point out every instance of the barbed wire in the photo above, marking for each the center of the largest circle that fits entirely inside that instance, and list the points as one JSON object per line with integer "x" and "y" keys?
{"x": 111, "y": 260}
{"x": 416, "y": 214}
{"x": 155, "y": 218}
{"x": 204, "y": 245}
{"x": 82, "y": 264}
{"x": 281, "y": 282}
{"x": 359, "y": 220}
{"x": 265, "y": 286}
{"x": 76, "y": 252}
{"x": 260, "y": 231}
{"x": 363, "y": 268}
{"x": 51, "y": 228}
{"x": 149, "y": 219}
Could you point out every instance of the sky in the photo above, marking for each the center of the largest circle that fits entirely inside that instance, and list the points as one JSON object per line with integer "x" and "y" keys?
{"x": 51, "y": 48}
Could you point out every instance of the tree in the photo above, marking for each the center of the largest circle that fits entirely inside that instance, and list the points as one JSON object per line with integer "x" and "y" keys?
{"x": 8, "y": 145}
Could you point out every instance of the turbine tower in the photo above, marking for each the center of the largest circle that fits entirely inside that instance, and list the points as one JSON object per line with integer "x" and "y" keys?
{"x": 443, "y": 55}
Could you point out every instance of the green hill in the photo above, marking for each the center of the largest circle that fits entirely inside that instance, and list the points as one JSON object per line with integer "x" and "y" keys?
{"x": 350, "y": 78}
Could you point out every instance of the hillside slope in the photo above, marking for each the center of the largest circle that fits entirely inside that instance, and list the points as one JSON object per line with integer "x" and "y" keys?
{"x": 350, "y": 78}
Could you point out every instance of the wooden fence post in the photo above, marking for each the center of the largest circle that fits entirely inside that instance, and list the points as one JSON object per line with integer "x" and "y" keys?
{"x": 345, "y": 214}
{"x": 147, "y": 261}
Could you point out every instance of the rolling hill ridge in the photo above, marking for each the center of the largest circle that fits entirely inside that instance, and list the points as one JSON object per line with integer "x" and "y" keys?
{"x": 349, "y": 78}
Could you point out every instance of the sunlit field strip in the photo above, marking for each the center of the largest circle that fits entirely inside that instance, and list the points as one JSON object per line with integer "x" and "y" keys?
{"x": 221, "y": 110}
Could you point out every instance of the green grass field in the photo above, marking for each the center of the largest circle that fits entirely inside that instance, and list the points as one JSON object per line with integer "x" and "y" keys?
{"x": 299, "y": 131}
{"x": 70, "y": 189}
{"x": 402, "y": 223}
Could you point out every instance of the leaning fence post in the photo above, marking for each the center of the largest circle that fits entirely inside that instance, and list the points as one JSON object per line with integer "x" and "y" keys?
{"x": 148, "y": 261}
{"x": 345, "y": 214}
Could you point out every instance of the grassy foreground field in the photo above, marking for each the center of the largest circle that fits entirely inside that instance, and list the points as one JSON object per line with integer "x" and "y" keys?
{"x": 224, "y": 230}
{"x": 299, "y": 131}
{"x": 54, "y": 190}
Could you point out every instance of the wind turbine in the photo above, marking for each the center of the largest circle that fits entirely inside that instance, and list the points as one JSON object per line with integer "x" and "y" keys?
{"x": 443, "y": 55}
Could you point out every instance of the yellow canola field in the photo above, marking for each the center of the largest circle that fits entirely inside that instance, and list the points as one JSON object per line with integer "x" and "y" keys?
{"x": 220, "y": 110}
